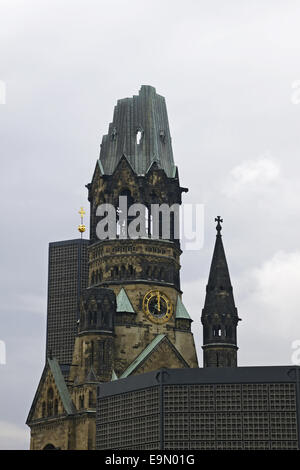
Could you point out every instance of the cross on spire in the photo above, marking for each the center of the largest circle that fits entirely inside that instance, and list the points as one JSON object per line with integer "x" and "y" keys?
{"x": 81, "y": 227}
{"x": 219, "y": 226}
{"x": 81, "y": 212}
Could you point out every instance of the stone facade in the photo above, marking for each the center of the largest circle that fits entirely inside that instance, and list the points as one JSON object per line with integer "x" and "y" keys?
{"x": 115, "y": 337}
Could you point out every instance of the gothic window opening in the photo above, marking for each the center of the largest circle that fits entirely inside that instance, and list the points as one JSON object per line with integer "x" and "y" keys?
{"x": 148, "y": 272}
{"x": 122, "y": 211}
{"x": 115, "y": 272}
{"x": 217, "y": 330}
{"x": 123, "y": 271}
{"x": 131, "y": 270}
{"x": 148, "y": 221}
{"x": 49, "y": 447}
{"x": 172, "y": 226}
{"x": 92, "y": 353}
{"x": 56, "y": 407}
{"x": 50, "y": 395}
{"x": 139, "y": 136}
{"x": 162, "y": 274}
{"x": 91, "y": 400}
{"x": 81, "y": 402}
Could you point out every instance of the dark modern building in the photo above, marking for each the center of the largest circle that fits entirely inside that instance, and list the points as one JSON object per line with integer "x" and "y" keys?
{"x": 67, "y": 277}
{"x": 209, "y": 408}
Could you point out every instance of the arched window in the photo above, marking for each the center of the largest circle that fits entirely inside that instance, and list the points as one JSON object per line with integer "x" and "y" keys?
{"x": 139, "y": 135}
{"x": 81, "y": 401}
{"x": 148, "y": 272}
{"x": 50, "y": 395}
{"x": 116, "y": 272}
{"x": 56, "y": 407}
{"x": 122, "y": 207}
{"x": 92, "y": 352}
{"x": 91, "y": 400}
{"x": 217, "y": 330}
{"x": 123, "y": 272}
{"x": 49, "y": 447}
{"x": 130, "y": 270}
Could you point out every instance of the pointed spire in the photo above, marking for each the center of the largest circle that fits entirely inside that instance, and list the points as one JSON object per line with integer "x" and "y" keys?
{"x": 219, "y": 294}
{"x": 219, "y": 315}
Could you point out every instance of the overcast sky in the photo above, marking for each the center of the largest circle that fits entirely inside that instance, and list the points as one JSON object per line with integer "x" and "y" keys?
{"x": 229, "y": 73}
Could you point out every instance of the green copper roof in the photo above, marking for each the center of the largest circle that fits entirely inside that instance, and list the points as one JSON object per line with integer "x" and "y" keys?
{"x": 123, "y": 303}
{"x": 101, "y": 167}
{"x": 61, "y": 386}
{"x": 143, "y": 355}
{"x": 114, "y": 376}
{"x": 140, "y": 131}
{"x": 181, "y": 311}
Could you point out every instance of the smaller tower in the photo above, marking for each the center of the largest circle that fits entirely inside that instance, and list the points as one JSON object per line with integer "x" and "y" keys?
{"x": 219, "y": 315}
{"x": 94, "y": 344}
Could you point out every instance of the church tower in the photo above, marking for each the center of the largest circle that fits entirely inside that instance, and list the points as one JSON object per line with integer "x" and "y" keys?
{"x": 136, "y": 163}
{"x": 131, "y": 315}
{"x": 219, "y": 315}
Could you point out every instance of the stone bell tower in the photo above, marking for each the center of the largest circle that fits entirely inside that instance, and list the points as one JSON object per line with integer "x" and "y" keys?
{"x": 136, "y": 162}
{"x": 132, "y": 317}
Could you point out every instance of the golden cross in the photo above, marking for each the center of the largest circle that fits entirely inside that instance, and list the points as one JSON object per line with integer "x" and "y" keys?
{"x": 81, "y": 212}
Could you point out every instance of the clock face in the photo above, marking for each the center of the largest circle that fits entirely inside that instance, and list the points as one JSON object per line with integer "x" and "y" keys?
{"x": 157, "y": 307}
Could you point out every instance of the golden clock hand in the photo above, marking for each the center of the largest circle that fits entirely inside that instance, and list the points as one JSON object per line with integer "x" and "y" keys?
{"x": 158, "y": 298}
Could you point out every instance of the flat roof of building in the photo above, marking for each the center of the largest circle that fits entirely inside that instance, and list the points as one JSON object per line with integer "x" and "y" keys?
{"x": 207, "y": 375}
